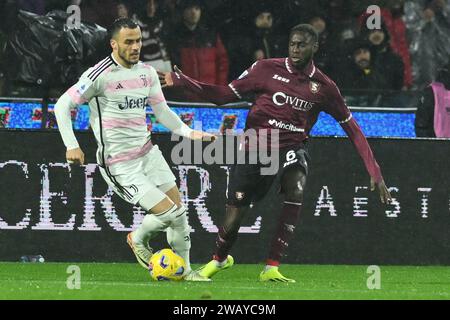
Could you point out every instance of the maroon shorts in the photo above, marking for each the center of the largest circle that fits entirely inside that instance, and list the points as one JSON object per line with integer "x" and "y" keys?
{"x": 247, "y": 184}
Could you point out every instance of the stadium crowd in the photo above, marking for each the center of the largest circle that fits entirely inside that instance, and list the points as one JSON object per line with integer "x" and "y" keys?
{"x": 215, "y": 40}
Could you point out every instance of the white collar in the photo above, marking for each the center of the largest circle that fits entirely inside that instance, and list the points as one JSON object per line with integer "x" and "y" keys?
{"x": 118, "y": 65}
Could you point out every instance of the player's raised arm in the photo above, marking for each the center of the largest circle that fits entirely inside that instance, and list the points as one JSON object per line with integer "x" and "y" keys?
{"x": 78, "y": 94}
{"x": 217, "y": 94}
{"x": 338, "y": 109}
{"x": 168, "y": 118}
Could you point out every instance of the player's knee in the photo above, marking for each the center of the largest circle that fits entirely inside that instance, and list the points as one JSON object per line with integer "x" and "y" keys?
{"x": 292, "y": 185}
{"x": 161, "y": 207}
{"x": 294, "y": 195}
{"x": 180, "y": 219}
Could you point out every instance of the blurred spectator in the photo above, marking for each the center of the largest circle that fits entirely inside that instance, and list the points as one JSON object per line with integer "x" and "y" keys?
{"x": 196, "y": 48}
{"x": 265, "y": 44}
{"x": 384, "y": 59}
{"x": 259, "y": 41}
{"x": 122, "y": 10}
{"x": 294, "y": 12}
{"x": 343, "y": 29}
{"x": 169, "y": 11}
{"x": 433, "y": 111}
{"x": 323, "y": 58}
{"x": 428, "y": 22}
{"x": 154, "y": 37}
{"x": 362, "y": 73}
{"x": 102, "y": 12}
{"x": 392, "y": 15}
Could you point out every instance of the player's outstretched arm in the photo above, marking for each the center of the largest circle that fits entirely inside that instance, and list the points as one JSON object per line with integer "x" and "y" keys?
{"x": 337, "y": 108}
{"x": 74, "y": 154}
{"x": 170, "y": 119}
{"x": 358, "y": 139}
{"x": 216, "y": 94}
{"x": 385, "y": 195}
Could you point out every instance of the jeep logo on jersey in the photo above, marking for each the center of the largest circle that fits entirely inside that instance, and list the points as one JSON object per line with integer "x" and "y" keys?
{"x": 280, "y": 99}
{"x": 285, "y": 126}
{"x": 138, "y": 103}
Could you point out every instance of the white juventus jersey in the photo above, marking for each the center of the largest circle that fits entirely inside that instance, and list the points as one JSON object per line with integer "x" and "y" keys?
{"x": 117, "y": 98}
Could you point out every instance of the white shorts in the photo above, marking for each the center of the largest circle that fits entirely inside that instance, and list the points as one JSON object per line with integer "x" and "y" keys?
{"x": 143, "y": 181}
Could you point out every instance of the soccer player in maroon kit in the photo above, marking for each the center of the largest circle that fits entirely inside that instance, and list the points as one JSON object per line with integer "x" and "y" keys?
{"x": 290, "y": 94}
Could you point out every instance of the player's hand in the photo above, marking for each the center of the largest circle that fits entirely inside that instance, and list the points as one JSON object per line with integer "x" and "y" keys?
{"x": 385, "y": 195}
{"x": 165, "y": 78}
{"x": 200, "y": 135}
{"x": 75, "y": 156}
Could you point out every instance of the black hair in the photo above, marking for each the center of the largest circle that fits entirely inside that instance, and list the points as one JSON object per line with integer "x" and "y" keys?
{"x": 184, "y": 4}
{"x": 121, "y": 23}
{"x": 307, "y": 28}
{"x": 358, "y": 44}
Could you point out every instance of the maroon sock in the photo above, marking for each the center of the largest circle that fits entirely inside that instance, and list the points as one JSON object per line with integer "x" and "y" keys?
{"x": 224, "y": 242}
{"x": 284, "y": 232}
{"x": 228, "y": 232}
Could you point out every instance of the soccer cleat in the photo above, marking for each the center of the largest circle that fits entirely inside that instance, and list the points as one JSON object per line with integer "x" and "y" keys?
{"x": 195, "y": 276}
{"x": 212, "y": 267}
{"x": 143, "y": 253}
{"x": 274, "y": 275}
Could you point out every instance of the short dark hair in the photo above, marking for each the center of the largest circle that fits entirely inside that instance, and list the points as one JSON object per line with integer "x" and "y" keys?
{"x": 307, "y": 28}
{"x": 185, "y": 4}
{"x": 122, "y": 23}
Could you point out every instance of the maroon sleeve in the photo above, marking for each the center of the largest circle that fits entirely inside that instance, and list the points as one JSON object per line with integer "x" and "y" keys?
{"x": 248, "y": 81}
{"x": 216, "y": 94}
{"x": 336, "y": 107}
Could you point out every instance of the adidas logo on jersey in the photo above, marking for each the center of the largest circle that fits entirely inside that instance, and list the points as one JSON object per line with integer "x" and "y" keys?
{"x": 119, "y": 86}
{"x": 279, "y": 78}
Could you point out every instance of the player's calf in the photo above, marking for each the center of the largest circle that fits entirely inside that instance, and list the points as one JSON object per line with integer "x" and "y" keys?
{"x": 178, "y": 234}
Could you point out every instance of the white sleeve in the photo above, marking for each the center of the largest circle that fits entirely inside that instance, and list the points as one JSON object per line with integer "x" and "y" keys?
{"x": 64, "y": 120}
{"x": 79, "y": 93}
{"x": 163, "y": 114}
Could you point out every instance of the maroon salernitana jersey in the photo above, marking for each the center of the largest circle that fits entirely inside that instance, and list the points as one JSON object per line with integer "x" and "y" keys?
{"x": 286, "y": 99}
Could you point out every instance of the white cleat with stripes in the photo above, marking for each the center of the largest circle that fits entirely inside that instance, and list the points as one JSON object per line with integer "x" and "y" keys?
{"x": 142, "y": 252}
{"x": 195, "y": 276}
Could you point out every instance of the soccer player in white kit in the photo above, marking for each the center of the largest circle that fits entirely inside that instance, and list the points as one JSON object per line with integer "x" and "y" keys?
{"x": 118, "y": 89}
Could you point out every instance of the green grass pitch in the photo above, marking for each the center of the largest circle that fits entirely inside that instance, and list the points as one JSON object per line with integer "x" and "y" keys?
{"x": 130, "y": 281}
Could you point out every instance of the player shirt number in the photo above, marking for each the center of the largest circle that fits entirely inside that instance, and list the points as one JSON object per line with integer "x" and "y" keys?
{"x": 290, "y": 155}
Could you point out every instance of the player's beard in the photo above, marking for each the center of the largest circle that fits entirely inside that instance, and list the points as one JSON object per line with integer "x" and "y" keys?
{"x": 127, "y": 60}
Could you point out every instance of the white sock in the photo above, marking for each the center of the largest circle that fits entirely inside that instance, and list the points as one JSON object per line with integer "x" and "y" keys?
{"x": 268, "y": 267}
{"x": 220, "y": 264}
{"x": 151, "y": 225}
{"x": 178, "y": 235}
